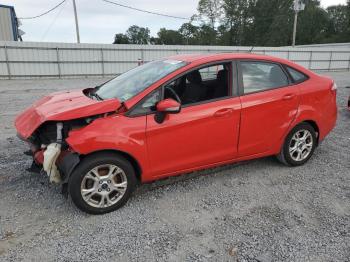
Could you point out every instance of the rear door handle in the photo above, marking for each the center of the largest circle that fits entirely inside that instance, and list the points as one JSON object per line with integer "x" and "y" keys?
{"x": 223, "y": 112}
{"x": 288, "y": 97}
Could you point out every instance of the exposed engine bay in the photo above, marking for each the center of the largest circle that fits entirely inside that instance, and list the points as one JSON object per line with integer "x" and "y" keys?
{"x": 47, "y": 123}
{"x": 48, "y": 146}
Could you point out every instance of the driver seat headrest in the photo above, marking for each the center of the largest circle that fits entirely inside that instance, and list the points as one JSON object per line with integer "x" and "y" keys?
{"x": 194, "y": 77}
{"x": 222, "y": 75}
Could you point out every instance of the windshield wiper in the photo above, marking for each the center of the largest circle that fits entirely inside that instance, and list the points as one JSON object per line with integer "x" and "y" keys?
{"x": 94, "y": 94}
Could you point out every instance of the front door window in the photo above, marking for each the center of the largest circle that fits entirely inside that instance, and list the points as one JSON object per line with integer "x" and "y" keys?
{"x": 208, "y": 83}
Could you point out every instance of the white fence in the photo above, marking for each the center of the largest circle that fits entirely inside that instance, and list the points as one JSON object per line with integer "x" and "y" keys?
{"x": 31, "y": 59}
{"x": 335, "y": 45}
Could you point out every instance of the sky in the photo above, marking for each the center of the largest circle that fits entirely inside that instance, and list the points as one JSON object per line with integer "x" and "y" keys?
{"x": 100, "y": 21}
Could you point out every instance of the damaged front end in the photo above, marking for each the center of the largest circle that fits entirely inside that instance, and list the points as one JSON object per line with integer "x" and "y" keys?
{"x": 51, "y": 154}
{"x": 46, "y": 125}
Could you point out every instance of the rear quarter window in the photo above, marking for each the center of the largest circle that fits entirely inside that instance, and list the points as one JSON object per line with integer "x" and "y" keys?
{"x": 296, "y": 75}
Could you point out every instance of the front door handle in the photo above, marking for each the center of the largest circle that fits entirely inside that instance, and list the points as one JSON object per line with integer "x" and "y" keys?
{"x": 288, "y": 97}
{"x": 223, "y": 112}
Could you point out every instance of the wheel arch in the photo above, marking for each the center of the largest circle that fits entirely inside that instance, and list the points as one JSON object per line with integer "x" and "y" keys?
{"x": 133, "y": 161}
{"x": 314, "y": 126}
{"x": 281, "y": 154}
{"x": 72, "y": 160}
{"x": 309, "y": 121}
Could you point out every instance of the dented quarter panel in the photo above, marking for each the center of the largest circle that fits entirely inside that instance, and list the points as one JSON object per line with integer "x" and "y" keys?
{"x": 117, "y": 132}
{"x": 316, "y": 94}
{"x": 61, "y": 106}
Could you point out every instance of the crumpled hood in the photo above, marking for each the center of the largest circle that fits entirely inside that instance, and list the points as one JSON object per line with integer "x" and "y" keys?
{"x": 61, "y": 106}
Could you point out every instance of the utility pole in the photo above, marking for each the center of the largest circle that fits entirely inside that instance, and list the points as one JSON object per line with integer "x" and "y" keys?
{"x": 76, "y": 22}
{"x": 295, "y": 27}
{"x": 298, "y": 6}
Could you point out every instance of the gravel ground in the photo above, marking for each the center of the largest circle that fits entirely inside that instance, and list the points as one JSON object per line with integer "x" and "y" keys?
{"x": 253, "y": 211}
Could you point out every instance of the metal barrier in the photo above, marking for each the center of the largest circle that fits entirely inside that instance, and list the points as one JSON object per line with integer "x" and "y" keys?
{"x": 58, "y": 60}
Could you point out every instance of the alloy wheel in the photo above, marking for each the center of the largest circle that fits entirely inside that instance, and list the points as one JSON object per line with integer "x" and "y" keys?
{"x": 103, "y": 186}
{"x": 301, "y": 145}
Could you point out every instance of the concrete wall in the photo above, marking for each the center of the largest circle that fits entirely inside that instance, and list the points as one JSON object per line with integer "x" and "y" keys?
{"x": 31, "y": 59}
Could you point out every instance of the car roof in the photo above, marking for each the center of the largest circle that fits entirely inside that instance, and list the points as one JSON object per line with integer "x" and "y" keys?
{"x": 223, "y": 56}
{"x": 214, "y": 57}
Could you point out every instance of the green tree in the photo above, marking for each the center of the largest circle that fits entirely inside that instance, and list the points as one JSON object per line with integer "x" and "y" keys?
{"x": 223, "y": 35}
{"x": 252, "y": 23}
{"x": 337, "y": 30}
{"x": 138, "y": 35}
{"x": 210, "y": 11}
{"x": 338, "y": 16}
{"x": 155, "y": 41}
{"x": 169, "y": 37}
{"x": 270, "y": 23}
{"x": 236, "y": 20}
{"x": 348, "y": 15}
{"x": 207, "y": 35}
{"x": 312, "y": 24}
{"x": 121, "y": 39}
{"x": 189, "y": 34}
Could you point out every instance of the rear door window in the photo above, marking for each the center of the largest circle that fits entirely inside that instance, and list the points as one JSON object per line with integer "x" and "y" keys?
{"x": 261, "y": 76}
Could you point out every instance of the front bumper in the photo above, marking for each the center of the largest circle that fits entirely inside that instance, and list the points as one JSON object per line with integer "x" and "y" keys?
{"x": 67, "y": 164}
{"x": 66, "y": 161}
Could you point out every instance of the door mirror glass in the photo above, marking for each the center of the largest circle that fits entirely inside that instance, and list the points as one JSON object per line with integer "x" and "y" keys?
{"x": 169, "y": 106}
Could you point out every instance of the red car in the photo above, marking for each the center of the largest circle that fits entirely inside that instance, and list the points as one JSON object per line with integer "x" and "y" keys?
{"x": 172, "y": 116}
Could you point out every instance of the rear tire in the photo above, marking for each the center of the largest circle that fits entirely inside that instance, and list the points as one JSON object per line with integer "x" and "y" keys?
{"x": 298, "y": 146}
{"x": 102, "y": 183}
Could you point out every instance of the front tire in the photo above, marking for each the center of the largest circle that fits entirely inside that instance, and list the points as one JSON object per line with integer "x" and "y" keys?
{"x": 102, "y": 183}
{"x": 299, "y": 145}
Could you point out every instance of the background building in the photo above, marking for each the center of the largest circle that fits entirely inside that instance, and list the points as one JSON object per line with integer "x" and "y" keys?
{"x": 8, "y": 24}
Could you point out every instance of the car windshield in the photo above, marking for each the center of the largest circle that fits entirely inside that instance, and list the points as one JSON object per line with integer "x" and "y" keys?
{"x": 130, "y": 83}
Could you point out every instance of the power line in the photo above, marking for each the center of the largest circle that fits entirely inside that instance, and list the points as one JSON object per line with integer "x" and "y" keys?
{"x": 37, "y": 16}
{"x": 145, "y": 11}
{"x": 52, "y": 23}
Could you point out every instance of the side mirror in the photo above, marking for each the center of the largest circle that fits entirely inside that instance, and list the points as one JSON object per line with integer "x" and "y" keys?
{"x": 164, "y": 107}
{"x": 168, "y": 106}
